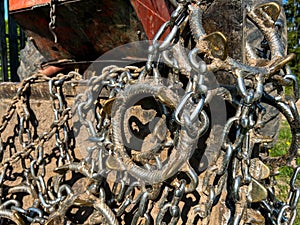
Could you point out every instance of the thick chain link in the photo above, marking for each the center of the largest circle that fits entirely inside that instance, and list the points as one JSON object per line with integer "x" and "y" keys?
{"x": 145, "y": 189}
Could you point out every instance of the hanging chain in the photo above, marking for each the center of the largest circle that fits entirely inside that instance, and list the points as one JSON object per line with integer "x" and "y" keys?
{"x": 52, "y": 24}
{"x": 154, "y": 181}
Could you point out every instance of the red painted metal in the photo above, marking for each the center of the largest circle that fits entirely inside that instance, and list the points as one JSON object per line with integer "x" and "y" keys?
{"x": 87, "y": 28}
{"x": 24, "y": 4}
{"x": 152, "y": 14}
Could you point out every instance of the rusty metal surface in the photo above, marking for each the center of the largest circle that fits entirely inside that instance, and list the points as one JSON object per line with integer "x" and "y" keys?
{"x": 24, "y": 4}
{"x": 92, "y": 28}
{"x": 152, "y": 14}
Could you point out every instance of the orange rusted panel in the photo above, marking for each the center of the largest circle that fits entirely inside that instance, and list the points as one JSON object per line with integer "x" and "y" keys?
{"x": 24, "y": 4}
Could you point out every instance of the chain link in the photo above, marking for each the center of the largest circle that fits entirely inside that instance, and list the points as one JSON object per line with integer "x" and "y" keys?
{"x": 52, "y": 24}
{"x": 124, "y": 184}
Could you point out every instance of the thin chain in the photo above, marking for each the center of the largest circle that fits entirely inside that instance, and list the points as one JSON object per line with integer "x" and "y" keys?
{"x": 52, "y": 24}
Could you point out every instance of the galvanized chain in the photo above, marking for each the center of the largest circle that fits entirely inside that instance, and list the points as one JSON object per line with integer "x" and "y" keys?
{"x": 52, "y": 23}
{"x": 36, "y": 171}
{"x": 124, "y": 184}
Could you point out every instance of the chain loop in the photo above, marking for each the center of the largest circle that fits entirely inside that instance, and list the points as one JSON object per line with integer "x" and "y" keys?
{"x": 115, "y": 182}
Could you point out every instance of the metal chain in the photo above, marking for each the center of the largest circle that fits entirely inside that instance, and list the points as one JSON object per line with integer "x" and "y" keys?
{"x": 52, "y": 24}
{"x": 123, "y": 184}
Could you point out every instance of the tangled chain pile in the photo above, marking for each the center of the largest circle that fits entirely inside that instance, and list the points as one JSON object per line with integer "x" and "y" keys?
{"x": 153, "y": 151}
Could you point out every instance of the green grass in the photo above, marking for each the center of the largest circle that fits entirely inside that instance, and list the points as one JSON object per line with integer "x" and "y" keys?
{"x": 285, "y": 173}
